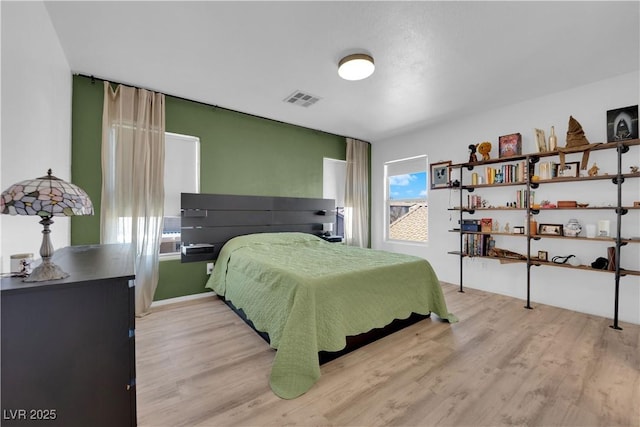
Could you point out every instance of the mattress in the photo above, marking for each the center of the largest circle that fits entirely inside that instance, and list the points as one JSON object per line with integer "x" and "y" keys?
{"x": 309, "y": 294}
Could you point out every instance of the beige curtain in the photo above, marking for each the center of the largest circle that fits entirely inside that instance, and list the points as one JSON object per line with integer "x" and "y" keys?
{"x": 356, "y": 196}
{"x": 133, "y": 122}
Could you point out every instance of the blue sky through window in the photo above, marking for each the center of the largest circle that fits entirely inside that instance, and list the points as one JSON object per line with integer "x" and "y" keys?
{"x": 408, "y": 186}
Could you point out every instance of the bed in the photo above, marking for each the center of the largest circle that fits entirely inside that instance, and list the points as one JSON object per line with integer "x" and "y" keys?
{"x": 308, "y": 295}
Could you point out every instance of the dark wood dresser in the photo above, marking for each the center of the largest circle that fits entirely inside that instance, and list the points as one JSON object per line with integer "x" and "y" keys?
{"x": 68, "y": 346}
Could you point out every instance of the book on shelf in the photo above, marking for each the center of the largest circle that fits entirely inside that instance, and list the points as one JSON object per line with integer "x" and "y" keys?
{"x": 474, "y": 201}
{"x": 470, "y": 225}
{"x": 520, "y": 194}
{"x": 507, "y": 174}
{"x": 486, "y": 224}
{"x": 521, "y": 199}
{"x": 477, "y": 244}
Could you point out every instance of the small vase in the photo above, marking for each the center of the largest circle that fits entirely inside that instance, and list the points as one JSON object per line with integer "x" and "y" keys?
{"x": 573, "y": 228}
{"x": 553, "y": 141}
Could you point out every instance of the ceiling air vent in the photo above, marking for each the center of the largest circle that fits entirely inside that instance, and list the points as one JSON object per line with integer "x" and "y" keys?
{"x": 302, "y": 99}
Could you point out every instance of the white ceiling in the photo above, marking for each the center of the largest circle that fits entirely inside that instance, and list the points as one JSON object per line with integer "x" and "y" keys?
{"x": 434, "y": 60}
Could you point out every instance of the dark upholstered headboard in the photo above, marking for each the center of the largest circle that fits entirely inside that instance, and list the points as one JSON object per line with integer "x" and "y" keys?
{"x": 216, "y": 218}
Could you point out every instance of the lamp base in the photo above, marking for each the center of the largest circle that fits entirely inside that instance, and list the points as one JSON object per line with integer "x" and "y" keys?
{"x": 46, "y": 271}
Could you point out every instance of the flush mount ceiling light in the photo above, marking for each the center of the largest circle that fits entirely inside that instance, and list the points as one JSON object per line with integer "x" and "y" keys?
{"x": 356, "y": 67}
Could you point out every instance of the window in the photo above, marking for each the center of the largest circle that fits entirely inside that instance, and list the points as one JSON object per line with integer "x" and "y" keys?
{"x": 181, "y": 175}
{"x": 406, "y": 199}
{"x": 334, "y": 174}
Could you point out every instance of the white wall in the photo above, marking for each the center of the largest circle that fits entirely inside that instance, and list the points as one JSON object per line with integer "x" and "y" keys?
{"x": 589, "y": 292}
{"x": 36, "y": 118}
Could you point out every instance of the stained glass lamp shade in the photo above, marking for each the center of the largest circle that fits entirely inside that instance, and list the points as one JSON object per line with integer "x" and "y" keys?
{"x": 45, "y": 197}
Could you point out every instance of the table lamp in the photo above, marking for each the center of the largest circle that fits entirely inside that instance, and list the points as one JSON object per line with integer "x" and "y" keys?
{"x": 45, "y": 197}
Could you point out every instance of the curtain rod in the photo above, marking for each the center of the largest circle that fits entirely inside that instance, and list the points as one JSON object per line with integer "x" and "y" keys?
{"x": 94, "y": 78}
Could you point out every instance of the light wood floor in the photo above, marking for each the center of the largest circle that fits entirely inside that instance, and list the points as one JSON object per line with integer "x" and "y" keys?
{"x": 199, "y": 365}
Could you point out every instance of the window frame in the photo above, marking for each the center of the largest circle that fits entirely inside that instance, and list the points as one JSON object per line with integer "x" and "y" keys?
{"x": 407, "y": 163}
{"x": 334, "y": 173}
{"x": 175, "y": 238}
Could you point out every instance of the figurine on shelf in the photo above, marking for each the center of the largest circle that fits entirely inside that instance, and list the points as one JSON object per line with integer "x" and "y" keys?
{"x": 484, "y": 148}
{"x": 576, "y": 140}
{"x": 593, "y": 170}
{"x": 506, "y": 228}
{"x": 472, "y": 153}
{"x": 575, "y": 134}
{"x": 496, "y": 226}
{"x": 634, "y": 169}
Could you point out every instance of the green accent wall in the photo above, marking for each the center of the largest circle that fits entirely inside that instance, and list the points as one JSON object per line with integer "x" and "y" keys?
{"x": 243, "y": 154}
{"x": 179, "y": 279}
{"x": 239, "y": 154}
{"x": 86, "y": 141}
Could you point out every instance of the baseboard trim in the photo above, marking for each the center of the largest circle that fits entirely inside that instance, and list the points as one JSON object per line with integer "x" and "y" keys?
{"x": 182, "y": 299}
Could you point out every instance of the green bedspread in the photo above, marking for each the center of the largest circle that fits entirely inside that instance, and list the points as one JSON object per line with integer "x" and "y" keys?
{"x": 308, "y": 295}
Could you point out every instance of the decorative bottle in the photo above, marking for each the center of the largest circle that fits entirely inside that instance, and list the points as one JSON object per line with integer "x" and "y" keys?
{"x": 553, "y": 141}
{"x": 533, "y": 226}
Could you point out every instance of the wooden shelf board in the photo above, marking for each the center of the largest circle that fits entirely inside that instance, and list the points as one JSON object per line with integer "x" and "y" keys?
{"x": 500, "y": 184}
{"x": 584, "y": 178}
{"x": 504, "y": 208}
{"x": 609, "y": 145}
{"x": 536, "y": 262}
{"x": 556, "y": 180}
{"x": 497, "y": 208}
{"x": 585, "y": 268}
{"x": 594, "y": 239}
{"x": 600, "y": 146}
{"x": 491, "y": 161}
{"x": 495, "y": 233}
{"x": 501, "y": 259}
{"x": 579, "y": 208}
{"x": 609, "y": 240}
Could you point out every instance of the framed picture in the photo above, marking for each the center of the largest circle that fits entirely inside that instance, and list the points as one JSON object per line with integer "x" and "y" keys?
{"x": 510, "y": 145}
{"x": 571, "y": 169}
{"x": 622, "y": 124}
{"x": 541, "y": 141}
{"x": 551, "y": 229}
{"x": 440, "y": 175}
{"x": 543, "y": 256}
